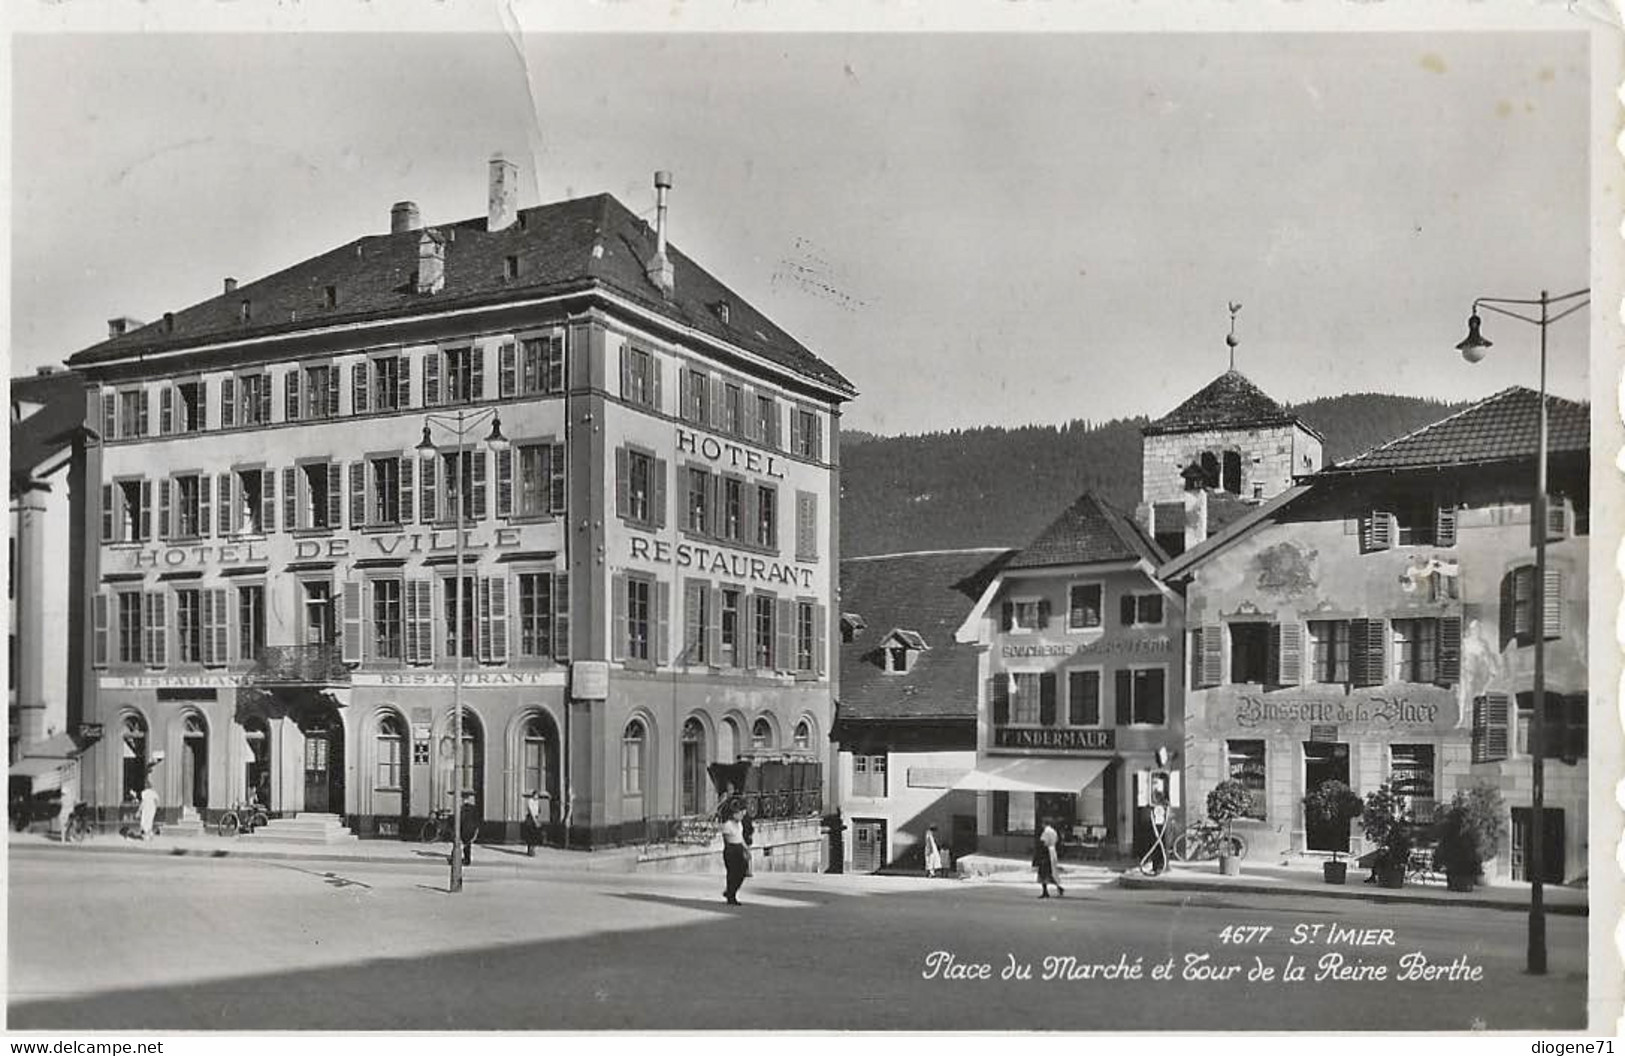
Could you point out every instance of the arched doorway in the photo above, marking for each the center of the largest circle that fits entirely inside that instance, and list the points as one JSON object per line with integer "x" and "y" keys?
{"x": 539, "y": 762}
{"x": 470, "y": 760}
{"x": 392, "y": 784}
{"x": 693, "y": 767}
{"x": 324, "y": 762}
{"x": 257, "y": 768}
{"x": 133, "y": 752}
{"x": 195, "y": 762}
{"x": 728, "y": 741}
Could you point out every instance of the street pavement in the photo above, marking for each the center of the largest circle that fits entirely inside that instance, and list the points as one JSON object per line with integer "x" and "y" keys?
{"x": 161, "y": 942}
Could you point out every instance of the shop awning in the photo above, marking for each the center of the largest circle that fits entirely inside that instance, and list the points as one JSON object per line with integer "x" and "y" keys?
{"x": 1032, "y": 774}
{"x": 46, "y": 773}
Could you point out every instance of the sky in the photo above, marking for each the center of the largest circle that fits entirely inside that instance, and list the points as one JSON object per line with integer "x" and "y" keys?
{"x": 974, "y": 228}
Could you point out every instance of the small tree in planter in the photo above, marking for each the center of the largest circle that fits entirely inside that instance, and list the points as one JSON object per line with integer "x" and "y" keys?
{"x": 1332, "y": 805}
{"x": 1228, "y": 801}
{"x": 1470, "y": 832}
{"x": 1387, "y": 829}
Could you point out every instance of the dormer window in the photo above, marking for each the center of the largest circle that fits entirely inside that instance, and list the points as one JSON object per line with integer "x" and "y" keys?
{"x": 330, "y": 296}
{"x": 245, "y": 311}
{"x": 510, "y": 268}
{"x": 851, "y": 625}
{"x": 900, "y": 649}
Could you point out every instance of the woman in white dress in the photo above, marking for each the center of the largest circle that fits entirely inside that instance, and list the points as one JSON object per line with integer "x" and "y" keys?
{"x": 933, "y": 853}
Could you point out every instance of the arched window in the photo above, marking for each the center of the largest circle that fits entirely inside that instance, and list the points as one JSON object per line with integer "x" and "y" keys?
{"x": 134, "y": 753}
{"x": 761, "y": 734}
{"x": 728, "y": 742}
{"x": 803, "y": 735}
{"x": 391, "y": 752}
{"x": 634, "y": 742}
{"x": 533, "y": 756}
{"x": 693, "y": 758}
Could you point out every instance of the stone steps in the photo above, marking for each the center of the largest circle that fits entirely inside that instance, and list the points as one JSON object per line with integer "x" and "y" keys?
{"x": 303, "y": 828}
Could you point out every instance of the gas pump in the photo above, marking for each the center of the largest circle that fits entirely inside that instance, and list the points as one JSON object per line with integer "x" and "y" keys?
{"x": 1158, "y": 791}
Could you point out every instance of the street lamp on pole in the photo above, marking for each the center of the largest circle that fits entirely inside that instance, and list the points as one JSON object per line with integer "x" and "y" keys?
{"x": 1473, "y": 348}
{"x": 458, "y": 425}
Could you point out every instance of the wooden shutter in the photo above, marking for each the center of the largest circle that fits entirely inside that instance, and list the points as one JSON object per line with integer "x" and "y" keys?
{"x": 713, "y": 627}
{"x": 1444, "y": 527}
{"x": 561, "y": 616}
{"x": 507, "y": 374}
{"x": 332, "y": 408}
{"x": 290, "y": 395}
{"x": 408, "y": 488}
{"x": 718, "y": 403}
{"x": 795, "y": 429}
{"x": 1552, "y": 604}
{"x": 1286, "y": 653}
{"x": 619, "y": 632}
{"x": 110, "y": 516}
{"x": 431, "y": 379}
{"x": 204, "y": 486}
{"x": 1126, "y": 610}
{"x": 351, "y": 641}
{"x": 156, "y": 630}
{"x": 1046, "y": 699}
{"x": 205, "y": 629}
{"x": 784, "y": 634}
{"x": 403, "y": 383}
{"x": 100, "y": 632}
{"x": 1211, "y": 651}
{"x": 656, "y": 399}
{"x": 657, "y": 494}
{"x": 290, "y": 499}
{"x": 109, "y": 416}
{"x": 228, "y": 508}
{"x": 496, "y": 595}
{"x": 358, "y": 494}
{"x": 1368, "y": 652}
{"x": 228, "y": 402}
{"x": 268, "y": 500}
{"x": 626, "y": 372}
{"x": 146, "y": 402}
{"x": 1449, "y": 666}
{"x": 478, "y": 460}
{"x": 1043, "y": 614}
{"x": 428, "y": 494}
{"x": 1123, "y": 696}
{"x": 409, "y": 614}
{"x": 693, "y": 624}
{"x": 998, "y": 688}
{"x": 1007, "y": 616}
{"x": 1378, "y": 531}
{"x": 621, "y": 491}
{"x": 685, "y": 387}
{"x": 335, "y": 495}
{"x": 163, "y": 508}
{"x": 358, "y": 388}
{"x": 166, "y": 410}
{"x": 1490, "y": 722}
{"x": 476, "y": 373}
{"x": 820, "y": 639}
{"x": 557, "y": 495}
{"x": 660, "y": 595}
{"x": 220, "y": 630}
{"x": 505, "y": 482}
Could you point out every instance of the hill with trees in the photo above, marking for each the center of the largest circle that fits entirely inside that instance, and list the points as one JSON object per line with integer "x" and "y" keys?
{"x": 999, "y": 486}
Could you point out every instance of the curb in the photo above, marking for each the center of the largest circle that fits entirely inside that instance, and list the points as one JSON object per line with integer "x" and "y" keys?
{"x": 257, "y": 854}
{"x": 1384, "y": 895}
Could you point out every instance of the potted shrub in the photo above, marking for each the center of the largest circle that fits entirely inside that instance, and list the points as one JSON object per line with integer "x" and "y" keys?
{"x": 1228, "y": 801}
{"x": 1387, "y": 829}
{"x": 1332, "y": 805}
{"x": 1470, "y": 832}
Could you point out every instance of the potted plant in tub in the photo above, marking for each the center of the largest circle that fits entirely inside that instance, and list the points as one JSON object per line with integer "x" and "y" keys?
{"x": 1387, "y": 829}
{"x": 1470, "y": 832}
{"x": 1332, "y": 805}
{"x": 1228, "y": 801}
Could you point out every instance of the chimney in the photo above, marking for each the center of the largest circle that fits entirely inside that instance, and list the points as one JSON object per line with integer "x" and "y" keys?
{"x": 504, "y": 194}
{"x": 403, "y": 216}
{"x": 231, "y": 284}
{"x": 431, "y": 262}
{"x": 47, "y": 370}
{"x": 660, "y": 269}
{"x": 122, "y": 325}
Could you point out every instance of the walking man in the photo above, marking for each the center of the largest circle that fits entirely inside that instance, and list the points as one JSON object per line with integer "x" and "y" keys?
{"x": 735, "y": 860}
{"x": 470, "y": 824}
{"x": 533, "y": 821}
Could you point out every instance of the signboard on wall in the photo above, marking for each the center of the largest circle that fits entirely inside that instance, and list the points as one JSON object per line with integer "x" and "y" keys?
{"x": 1055, "y": 738}
{"x": 589, "y": 680}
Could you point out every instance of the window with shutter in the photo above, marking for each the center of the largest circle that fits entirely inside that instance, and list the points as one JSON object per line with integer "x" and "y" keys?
{"x": 1210, "y": 650}
{"x": 100, "y": 632}
{"x": 1551, "y": 615}
{"x": 1368, "y": 652}
{"x": 1449, "y": 667}
{"x": 1490, "y": 717}
{"x": 1286, "y": 654}
{"x": 1444, "y": 527}
{"x": 1377, "y": 533}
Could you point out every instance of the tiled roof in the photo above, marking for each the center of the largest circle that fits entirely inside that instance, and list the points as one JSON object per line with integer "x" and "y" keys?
{"x": 1229, "y": 401}
{"x": 563, "y": 247}
{"x": 1088, "y": 532}
{"x": 1504, "y": 427}
{"x": 931, "y": 594}
{"x": 61, "y": 395}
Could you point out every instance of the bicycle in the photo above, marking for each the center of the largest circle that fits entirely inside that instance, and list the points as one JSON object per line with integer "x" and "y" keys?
{"x": 437, "y": 828}
{"x": 79, "y": 825}
{"x": 1204, "y": 841}
{"x": 244, "y": 817}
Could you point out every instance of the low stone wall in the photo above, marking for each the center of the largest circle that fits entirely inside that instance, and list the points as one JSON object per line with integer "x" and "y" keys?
{"x": 777, "y": 847}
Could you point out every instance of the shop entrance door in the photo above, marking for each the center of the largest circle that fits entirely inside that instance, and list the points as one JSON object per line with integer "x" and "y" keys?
{"x": 868, "y": 845}
{"x": 1551, "y": 843}
{"x": 1325, "y": 761}
{"x": 324, "y": 766}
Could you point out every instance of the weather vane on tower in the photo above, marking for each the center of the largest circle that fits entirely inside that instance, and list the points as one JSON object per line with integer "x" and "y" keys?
{"x": 1232, "y": 340}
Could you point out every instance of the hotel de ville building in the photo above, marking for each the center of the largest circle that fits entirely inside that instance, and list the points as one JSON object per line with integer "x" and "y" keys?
{"x": 641, "y": 466}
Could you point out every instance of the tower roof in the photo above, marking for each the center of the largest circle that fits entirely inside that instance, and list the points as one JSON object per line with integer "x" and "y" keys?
{"x": 1229, "y": 401}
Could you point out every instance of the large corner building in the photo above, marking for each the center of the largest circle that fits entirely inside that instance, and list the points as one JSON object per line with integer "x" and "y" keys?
{"x": 649, "y": 562}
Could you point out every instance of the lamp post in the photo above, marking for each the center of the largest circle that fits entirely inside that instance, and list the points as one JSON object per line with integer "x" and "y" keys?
{"x": 458, "y": 425}
{"x": 1473, "y": 348}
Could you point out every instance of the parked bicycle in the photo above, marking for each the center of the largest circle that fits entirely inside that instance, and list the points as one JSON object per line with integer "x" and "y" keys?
{"x": 1204, "y": 841}
{"x": 244, "y": 817}
{"x": 437, "y": 828}
{"x": 79, "y": 825}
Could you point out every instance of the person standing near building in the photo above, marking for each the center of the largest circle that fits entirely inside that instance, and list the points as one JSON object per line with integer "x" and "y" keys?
{"x": 149, "y": 811}
{"x": 1045, "y": 858}
{"x": 470, "y": 824}
{"x": 933, "y": 853}
{"x": 734, "y": 853}
{"x": 533, "y": 821}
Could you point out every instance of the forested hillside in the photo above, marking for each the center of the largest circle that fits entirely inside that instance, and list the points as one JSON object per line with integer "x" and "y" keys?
{"x": 998, "y": 486}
